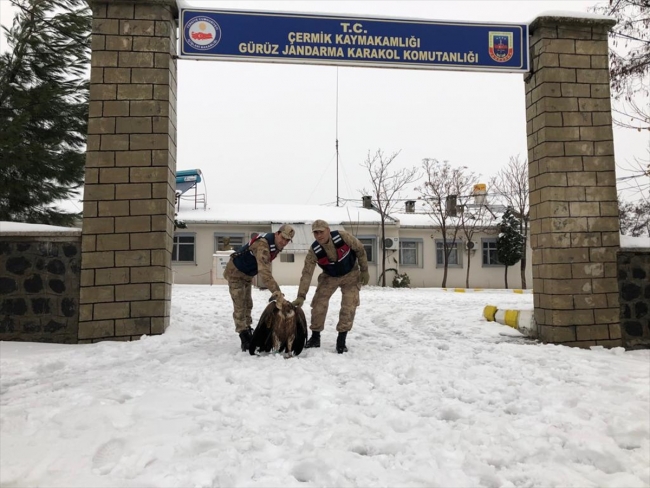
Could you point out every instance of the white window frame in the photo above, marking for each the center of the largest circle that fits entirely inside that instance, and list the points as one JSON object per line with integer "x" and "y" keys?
{"x": 176, "y": 247}
{"x": 373, "y": 247}
{"x": 455, "y": 247}
{"x": 287, "y": 257}
{"x": 489, "y": 240}
{"x": 238, "y": 235}
{"x": 418, "y": 252}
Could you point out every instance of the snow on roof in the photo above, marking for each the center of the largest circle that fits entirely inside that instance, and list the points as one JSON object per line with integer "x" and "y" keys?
{"x": 628, "y": 242}
{"x": 414, "y": 219}
{"x": 421, "y": 219}
{"x": 571, "y": 14}
{"x": 243, "y": 213}
{"x": 21, "y": 228}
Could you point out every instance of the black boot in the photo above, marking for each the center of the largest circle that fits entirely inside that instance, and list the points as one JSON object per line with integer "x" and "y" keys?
{"x": 314, "y": 340}
{"x": 340, "y": 343}
{"x": 246, "y": 336}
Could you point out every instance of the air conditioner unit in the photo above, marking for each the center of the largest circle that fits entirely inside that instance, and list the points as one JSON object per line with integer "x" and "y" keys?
{"x": 469, "y": 245}
{"x": 391, "y": 243}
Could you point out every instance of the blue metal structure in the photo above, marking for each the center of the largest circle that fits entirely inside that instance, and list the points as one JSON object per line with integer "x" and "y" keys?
{"x": 186, "y": 180}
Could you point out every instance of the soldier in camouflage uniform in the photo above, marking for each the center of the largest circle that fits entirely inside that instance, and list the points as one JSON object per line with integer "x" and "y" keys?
{"x": 343, "y": 260}
{"x": 247, "y": 261}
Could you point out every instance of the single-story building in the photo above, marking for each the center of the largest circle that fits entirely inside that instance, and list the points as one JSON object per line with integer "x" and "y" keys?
{"x": 413, "y": 244}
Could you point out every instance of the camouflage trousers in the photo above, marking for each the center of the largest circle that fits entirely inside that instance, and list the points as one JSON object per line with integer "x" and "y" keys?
{"x": 240, "y": 285}
{"x": 327, "y": 285}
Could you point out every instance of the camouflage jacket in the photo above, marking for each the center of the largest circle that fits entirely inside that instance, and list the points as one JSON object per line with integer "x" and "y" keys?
{"x": 311, "y": 260}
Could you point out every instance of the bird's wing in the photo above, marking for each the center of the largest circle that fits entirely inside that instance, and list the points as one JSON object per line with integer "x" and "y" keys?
{"x": 262, "y": 334}
{"x": 267, "y": 315}
{"x": 301, "y": 332}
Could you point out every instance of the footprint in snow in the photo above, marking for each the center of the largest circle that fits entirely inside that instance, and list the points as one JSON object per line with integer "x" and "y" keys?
{"x": 108, "y": 455}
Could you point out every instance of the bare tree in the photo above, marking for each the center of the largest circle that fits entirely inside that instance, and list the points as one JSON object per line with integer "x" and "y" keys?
{"x": 629, "y": 62}
{"x": 442, "y": 187}
{"x": 632, "y": 112}
{"x": 473, "y": 218}
{"x": 511, "y": 186}
{"x": 386, "y": 188}
{"x": 637, "y": 183}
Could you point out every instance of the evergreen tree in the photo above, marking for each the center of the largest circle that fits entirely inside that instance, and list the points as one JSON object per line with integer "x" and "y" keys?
{"x": 43, "y": 109}
{"x": 510, "y": 241}
{"x": 511, "y": 187}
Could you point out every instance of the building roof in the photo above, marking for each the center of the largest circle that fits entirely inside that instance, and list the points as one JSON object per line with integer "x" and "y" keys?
{"x": 268, "y": 214}
{"x": 422, "y": 220}
{"x": 347, "y": 216}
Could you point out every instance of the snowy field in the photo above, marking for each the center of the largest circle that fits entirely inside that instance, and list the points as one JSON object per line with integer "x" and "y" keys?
{"x": 430, "y": 395}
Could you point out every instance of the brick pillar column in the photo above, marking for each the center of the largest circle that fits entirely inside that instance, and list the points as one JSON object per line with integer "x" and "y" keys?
{"x": 574, "y": 211}
{"x": 130, "y": 181}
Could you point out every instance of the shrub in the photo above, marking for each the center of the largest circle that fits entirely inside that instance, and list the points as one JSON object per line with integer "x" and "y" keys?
{"x": 401, "y": 280}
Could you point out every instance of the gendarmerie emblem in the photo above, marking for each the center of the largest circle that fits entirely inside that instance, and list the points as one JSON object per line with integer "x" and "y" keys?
{"x": 501, "y": 46}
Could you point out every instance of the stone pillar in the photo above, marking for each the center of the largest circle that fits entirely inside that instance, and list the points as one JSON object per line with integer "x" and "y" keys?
{"x": 573, "y": 204}
{"x": 128, "y": 213}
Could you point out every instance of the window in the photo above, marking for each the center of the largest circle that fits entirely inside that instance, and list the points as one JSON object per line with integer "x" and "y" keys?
{"x": 410, "y": 252}
{"x": 287, "y": 258}
{"x": 228, "y": 242}
{"x": 490, "y": 252}
{"x": 369, "y": 246}
{"x": 183, "y": 250}
{"x": 455, "y": 258}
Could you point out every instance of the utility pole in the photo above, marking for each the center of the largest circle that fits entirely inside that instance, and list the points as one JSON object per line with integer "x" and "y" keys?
{"x": 337, "y": 136}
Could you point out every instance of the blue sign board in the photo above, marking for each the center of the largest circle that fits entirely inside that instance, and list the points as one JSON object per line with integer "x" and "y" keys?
{"x": 352, "y": 41}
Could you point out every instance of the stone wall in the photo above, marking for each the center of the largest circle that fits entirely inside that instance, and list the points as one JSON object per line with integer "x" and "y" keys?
{"x": 634, "y": 296}
{"x": 39, "y": 287}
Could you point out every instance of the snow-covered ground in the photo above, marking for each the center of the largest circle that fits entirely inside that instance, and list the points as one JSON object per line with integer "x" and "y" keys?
{"x": 429, "y": 395}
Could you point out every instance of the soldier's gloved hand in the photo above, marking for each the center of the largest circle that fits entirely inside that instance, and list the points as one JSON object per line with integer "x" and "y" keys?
{"x": 364, "y": 278}
{"x": 298, "y": 302}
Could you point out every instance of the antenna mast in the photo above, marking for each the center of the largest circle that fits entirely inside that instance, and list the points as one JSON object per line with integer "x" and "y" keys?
{"x": 337, "y": 136}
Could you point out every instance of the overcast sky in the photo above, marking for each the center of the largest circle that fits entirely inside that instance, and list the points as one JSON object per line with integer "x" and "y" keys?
{"x": 266, "y": 132}
{"x": 251, "y": 127}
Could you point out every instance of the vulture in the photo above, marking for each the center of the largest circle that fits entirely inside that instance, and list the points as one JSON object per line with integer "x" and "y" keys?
{"x": 282, "y": 327}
